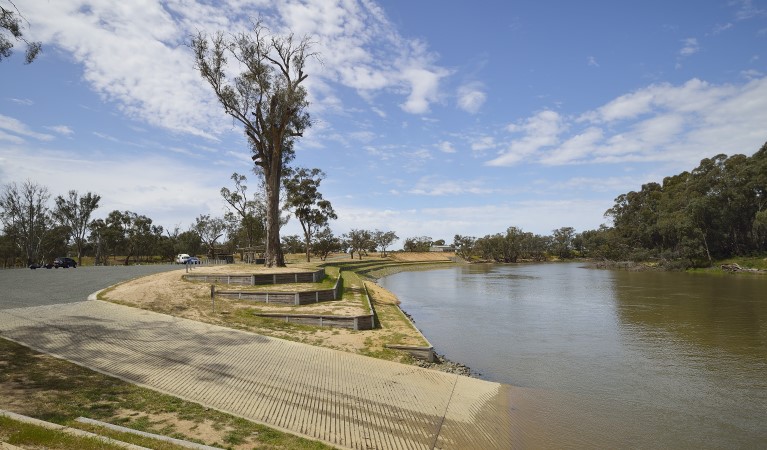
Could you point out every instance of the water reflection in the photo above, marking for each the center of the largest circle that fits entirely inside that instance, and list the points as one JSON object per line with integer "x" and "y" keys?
{"x": 656, "y": 359}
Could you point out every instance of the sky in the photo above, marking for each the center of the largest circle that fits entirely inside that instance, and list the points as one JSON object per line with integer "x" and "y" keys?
{"x": 430, "y": 117}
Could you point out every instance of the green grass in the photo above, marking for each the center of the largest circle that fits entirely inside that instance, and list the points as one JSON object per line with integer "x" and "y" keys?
{"x": 748, "y": 262}
{"x": 378, "y": 268}
{"x": 27, "y": 435}
{"x": 57, "y": 391}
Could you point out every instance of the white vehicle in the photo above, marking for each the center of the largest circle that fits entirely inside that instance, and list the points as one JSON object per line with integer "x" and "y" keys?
{"x": 181, "y": 258}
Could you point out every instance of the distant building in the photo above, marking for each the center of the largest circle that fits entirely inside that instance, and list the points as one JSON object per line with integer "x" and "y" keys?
{"x": 441, "y": 248}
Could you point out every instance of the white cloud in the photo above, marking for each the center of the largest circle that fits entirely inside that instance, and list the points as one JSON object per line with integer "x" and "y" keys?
{"x": 424, "y": 89}
{"x": 62, "y": 129}
{"x": 593, "y": 184}
{"x": 539, "y": 131}
{"x": 381, "y": 113}
{"x": 446, "y": 146}
{"x": 150, "y": 191}
{"x": 694, "y": 95}
{"x": 432, "y": 185}
{"x": 17, "y": 130}
{"x": 719, "y": 28}
{"x": 540, "y": 217}
{"x": 690, "y": 46}
{"x": 482, "y": 143}
{"x": 747, "y": 10}
{"x": 132, "y": 55}
{"x": 660, "y": 123}
{"x": 10, "y": 138}
{"x": 23, "y": 101}
{"x": 471, "y": 97}
{"x": 592, "y": 61}
{"x": 135, "y": 55}
{"x": 362, "y": 136}
{"x": 575, "y": 148}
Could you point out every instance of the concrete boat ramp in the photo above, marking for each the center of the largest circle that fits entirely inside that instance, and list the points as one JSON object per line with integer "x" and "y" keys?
{"x": 346, "y": 400}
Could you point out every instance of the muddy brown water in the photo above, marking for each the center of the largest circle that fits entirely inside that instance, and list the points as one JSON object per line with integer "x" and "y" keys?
{"x": 606, "y": 359}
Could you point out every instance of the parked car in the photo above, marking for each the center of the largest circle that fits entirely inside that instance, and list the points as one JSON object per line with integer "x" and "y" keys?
{"x": 181, "y": 258}
{"x": 64, "y": 262}
{"x": 193, "y": 260}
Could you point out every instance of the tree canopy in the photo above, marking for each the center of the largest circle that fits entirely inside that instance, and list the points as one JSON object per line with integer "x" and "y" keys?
{"x": 307, "y": 204}
{"x": 74, "y": 212}
{"x": 715, "y": 211}
{"x": 12, "y": 23}
{"x": 267, "y": 98}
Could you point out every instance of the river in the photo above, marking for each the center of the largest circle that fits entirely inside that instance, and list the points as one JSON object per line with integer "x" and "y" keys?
{"x": 606, "y": 359}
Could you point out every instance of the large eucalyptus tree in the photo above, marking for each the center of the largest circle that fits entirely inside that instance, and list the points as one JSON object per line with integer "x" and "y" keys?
{"x": 267, "y": 97}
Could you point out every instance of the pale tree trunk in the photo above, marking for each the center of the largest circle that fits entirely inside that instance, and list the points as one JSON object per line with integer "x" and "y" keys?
{"x": 308, "y": 250}
{"x": 307, "y": 241}
{"x": 273, "y": 255}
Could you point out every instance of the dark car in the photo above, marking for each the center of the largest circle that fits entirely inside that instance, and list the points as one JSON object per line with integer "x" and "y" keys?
{"x": 193, "y": 260}
{"x": 64, "y": 262}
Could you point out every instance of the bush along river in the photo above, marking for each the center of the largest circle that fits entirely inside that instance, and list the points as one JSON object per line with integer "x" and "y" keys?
{"x": 606, "y": 358}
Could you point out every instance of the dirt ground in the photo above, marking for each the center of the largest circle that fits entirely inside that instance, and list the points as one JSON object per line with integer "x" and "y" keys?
{"x": 168, "y": 293}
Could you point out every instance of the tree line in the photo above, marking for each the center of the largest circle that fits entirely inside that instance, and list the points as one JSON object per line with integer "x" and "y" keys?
{"x": 715, "y": 211}
{"x": 34, "y": 231}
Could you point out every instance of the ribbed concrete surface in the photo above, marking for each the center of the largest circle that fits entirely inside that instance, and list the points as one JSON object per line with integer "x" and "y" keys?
{"x": 344, "y": 399}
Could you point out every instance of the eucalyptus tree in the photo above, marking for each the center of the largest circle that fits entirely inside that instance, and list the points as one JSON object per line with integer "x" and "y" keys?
{"x": 562, "y": 241}
{"x": 131, "y": 233}
{"x": 210, "y": 229}
{"x": 74, "y": 213}
{"x": 267, "y": 98}
{"x": 358, "y": 241}
{"x": 25, "y": 217}
{"x": 464, "y": 246}
{"x": 293, "y": 244}
{"x": 12, "y": 23}
{"x": 325, "y": 243}
{"x": 250, "y": 211}
{"x": 307, "y": 204}
{"x": 417, "y": 244}
{"x": 383, "y": 239}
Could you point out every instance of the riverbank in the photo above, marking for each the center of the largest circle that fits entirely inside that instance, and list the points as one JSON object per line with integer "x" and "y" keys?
{"x": 746, "y": 265}
{"x": 168, "y": 293}
{"x": 79, "y": 396}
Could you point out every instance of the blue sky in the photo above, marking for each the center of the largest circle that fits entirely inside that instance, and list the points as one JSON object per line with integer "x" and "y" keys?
{"x": 430, "y": 117}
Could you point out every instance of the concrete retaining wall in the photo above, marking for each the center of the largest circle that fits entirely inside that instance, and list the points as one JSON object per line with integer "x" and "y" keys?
{"x": 259, "y": 279}
{"x": 364, "y": 322}
{"x": 288, "y": 298}
{"x": 351, "y": 322}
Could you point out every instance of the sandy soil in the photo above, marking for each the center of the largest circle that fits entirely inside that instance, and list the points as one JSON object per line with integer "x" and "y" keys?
{"x": 168, "y": 293}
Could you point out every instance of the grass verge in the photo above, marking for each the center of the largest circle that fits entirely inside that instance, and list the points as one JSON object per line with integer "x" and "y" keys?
{"x": 54, "y": 390}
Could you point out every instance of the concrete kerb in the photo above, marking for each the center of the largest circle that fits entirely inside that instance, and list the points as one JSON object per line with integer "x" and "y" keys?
{"x": 159, "y": 437}
{"x": 68, "y": 430}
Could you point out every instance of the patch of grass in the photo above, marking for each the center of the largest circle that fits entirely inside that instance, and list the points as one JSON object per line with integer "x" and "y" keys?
{"x": 748, "y": 262}
{"x": 57, "y": 391}
{"x": 27, "y": 435}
